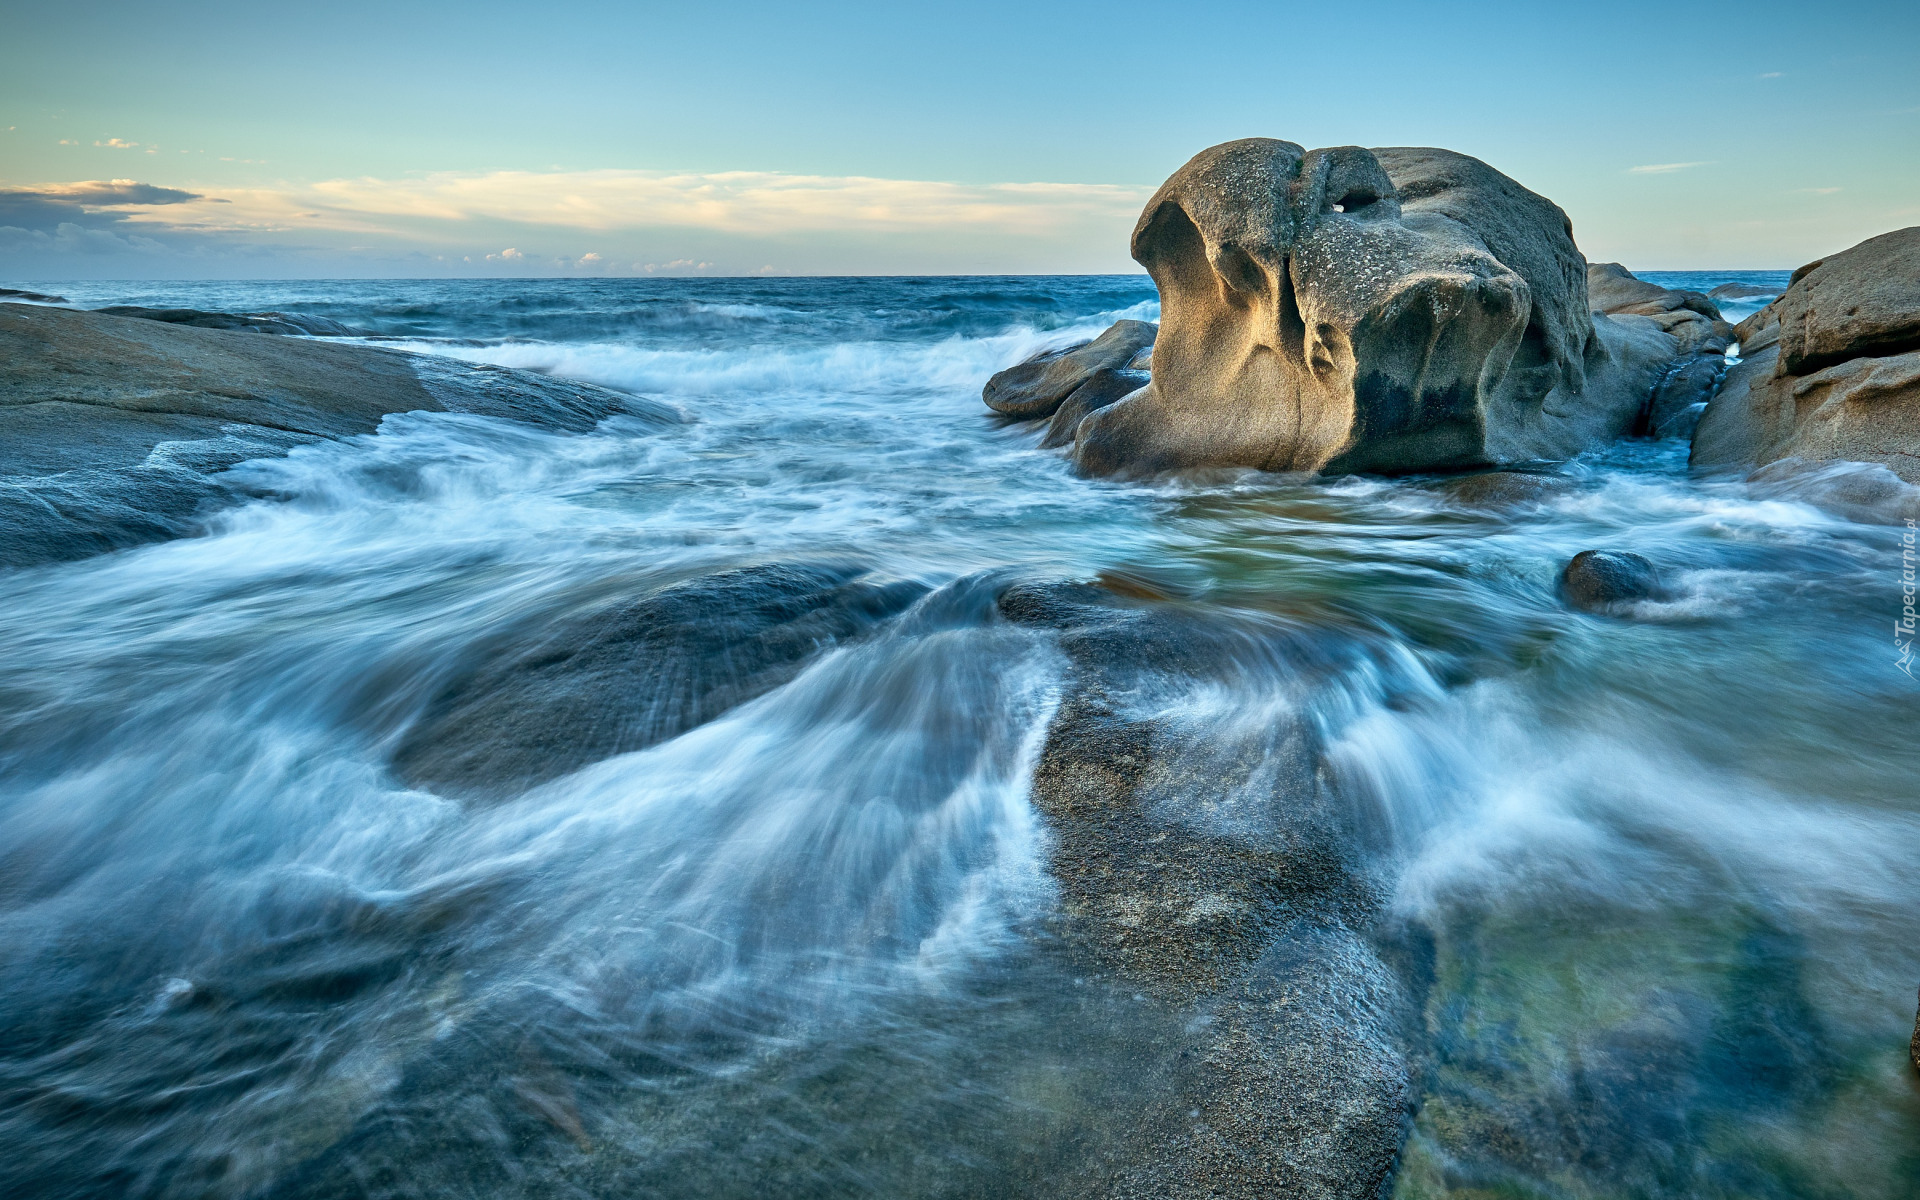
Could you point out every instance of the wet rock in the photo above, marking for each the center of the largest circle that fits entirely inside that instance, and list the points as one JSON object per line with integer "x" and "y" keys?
{"x": 1595, "y": 580}
{"x": 114, "y": 431}
{"x": 1831, "y": 370}
{"x": 1105, "y": 386}
{"x": 30, "y": 297}
{"x": 1741, "y": 291}
{"x": 1037, "y": 387}
{"x": 1499, "y": 488}
{"x": 1210, "y": 868}
{"x": 1678, "y": 402}
{"x": 545, "y": 700}
{"x": 1343, "y": 309}
{"x": 266, "y": 322}
{"x": 1866, "y": 492}
{"x": 1913, "y": 1047}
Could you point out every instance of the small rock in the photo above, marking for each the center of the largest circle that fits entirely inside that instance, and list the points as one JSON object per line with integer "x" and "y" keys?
{"x": 1597, "y": 579}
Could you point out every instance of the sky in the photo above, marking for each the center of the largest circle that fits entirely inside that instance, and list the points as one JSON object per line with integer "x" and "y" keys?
{"x": 221, "y": 140}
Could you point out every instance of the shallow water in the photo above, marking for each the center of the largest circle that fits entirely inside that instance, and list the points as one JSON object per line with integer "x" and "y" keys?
{"x": 1657, "y": 867}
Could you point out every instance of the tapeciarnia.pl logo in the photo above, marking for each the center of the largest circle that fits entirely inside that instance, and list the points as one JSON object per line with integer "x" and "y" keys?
{"x": 1904, "y": 627}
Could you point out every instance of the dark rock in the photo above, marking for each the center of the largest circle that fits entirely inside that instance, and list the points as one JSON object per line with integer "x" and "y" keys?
{"x": 1676, "y": 405}
{"x": 267, "y": 322}
{"x": 1913, "y": 1047}
{"x": 1401, "y": 309}
{"x": 1595, "y": 580}
{"x": 32, "y": 297}
{"x": 88, "y": 401}
{"x": 544, "y": 700}
{"x": 1691, "y": 317}
{"x": 1741, "y": 291}
{"x": 1035, "y": 388}
{"x": 1102, "y": 388}
{"x": 1212, "y": 869}
{"x": 1499, "y": 488}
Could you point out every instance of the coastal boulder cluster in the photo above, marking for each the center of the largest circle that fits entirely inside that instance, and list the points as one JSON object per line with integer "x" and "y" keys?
{"x": 1414, "y": 310}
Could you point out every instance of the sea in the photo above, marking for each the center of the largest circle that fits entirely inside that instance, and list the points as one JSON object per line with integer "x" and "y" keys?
{"x": 1664, "y": 863}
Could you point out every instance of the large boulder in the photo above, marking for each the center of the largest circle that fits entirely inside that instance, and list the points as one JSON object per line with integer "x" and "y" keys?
{"x": 1367, "y": 310}
{"x": 114, "y": 431}
{"x": 1830, "y": 370}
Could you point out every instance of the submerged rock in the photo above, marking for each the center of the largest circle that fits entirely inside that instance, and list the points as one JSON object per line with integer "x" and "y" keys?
{"x": 1210, "y": 868}
{"x": 1596, "y": 580}
{"x": 1498, "y": 488}
{"x": 1037, "y": 387}
{"x": 1353, "y": 310}
{"x": 113, "y": 431}
{"x": 32, "y": 297}
{"x": 545, "y": 700}
{"x": 1830, "y": 370}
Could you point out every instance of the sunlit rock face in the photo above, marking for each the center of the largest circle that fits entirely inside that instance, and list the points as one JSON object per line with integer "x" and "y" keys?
{"x": 1366, "y": 310}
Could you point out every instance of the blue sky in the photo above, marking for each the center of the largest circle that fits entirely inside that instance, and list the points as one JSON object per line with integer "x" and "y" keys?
{"x": 215, "y": 139}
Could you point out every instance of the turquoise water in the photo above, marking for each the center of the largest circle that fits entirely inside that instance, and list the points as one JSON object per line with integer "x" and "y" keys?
{"x": 1658, "y": 868}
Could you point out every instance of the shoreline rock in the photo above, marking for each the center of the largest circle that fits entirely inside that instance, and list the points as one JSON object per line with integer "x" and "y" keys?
{"x": 1388, "y": 311}
{"x": 1217, "y": 873}
{"x": 114, "y": 430}
{"x": 1829, "y": 371}
{"x": 292, "y": 324}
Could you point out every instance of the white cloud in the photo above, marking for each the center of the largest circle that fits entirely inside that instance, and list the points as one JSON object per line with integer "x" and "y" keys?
{"x": 735, "y": 202}
{"x": 1665, "y": 168}
{"x": 118, "y": 144}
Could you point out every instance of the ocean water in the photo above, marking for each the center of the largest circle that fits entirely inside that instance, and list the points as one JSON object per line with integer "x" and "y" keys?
{"x": 1664, "y": 864}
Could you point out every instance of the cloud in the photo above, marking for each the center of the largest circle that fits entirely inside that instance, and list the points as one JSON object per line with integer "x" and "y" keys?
{"x": 1770, "y": 75}
{"x": 760, "y": 203}
{"x": 117, "y": 144}
{"x": 644, "y": 221}
{"x": 1665, "y": 168}
{"x": 101, "y": 193}
{"x": 1819, "y": 191}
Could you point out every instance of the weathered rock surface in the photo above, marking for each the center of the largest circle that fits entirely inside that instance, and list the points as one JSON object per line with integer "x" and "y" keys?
{"x": 543, "y": 700}
{"x": 1211, "y": 869}
{"x": 114, "y": 431}
{"x": 1830, "y": 370}
{"x": 1691, "y": 317}
{"x": 1038, "y": 386}
{"x": 1596, "y": 580}
{"x": 1355, "y": 310}
{"x": 265, "y": 322}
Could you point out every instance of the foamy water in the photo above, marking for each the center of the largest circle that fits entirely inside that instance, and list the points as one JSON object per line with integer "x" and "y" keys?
{"x": 1662, "y": 861}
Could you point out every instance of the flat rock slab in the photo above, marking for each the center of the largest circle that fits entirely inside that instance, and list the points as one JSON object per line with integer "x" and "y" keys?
{"x": 554, "y": 695}
{"x": 1211, "y": 869}
{"x": 113, "y": 430}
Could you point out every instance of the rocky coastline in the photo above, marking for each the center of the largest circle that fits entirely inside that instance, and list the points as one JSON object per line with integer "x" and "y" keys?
{"x": 1396, "y": 311}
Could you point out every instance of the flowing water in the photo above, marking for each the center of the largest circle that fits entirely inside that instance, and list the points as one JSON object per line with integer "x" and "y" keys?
{"x": 1662, "y": 864}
